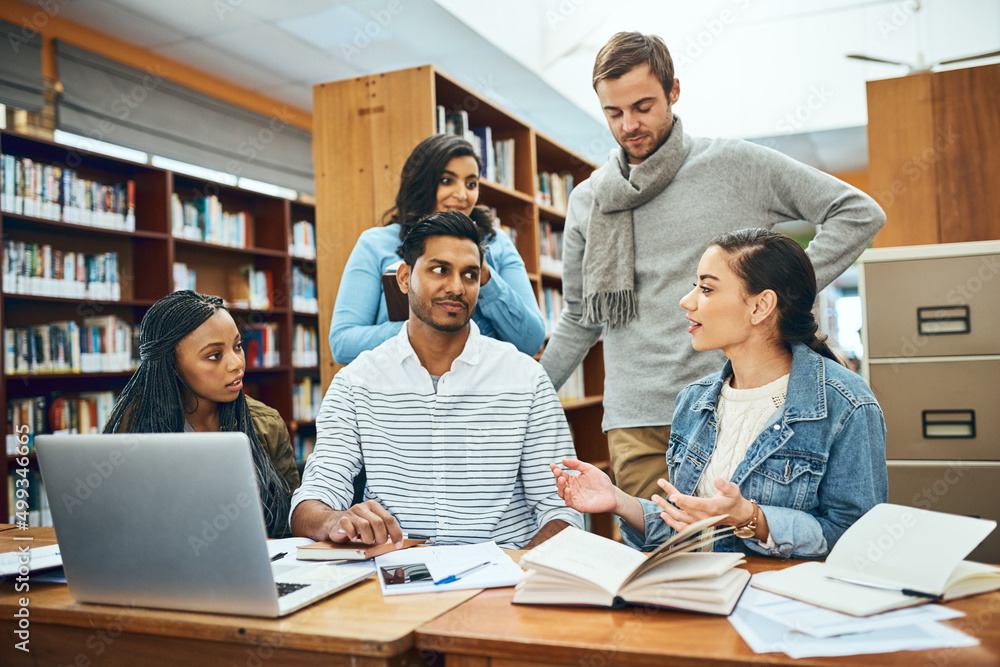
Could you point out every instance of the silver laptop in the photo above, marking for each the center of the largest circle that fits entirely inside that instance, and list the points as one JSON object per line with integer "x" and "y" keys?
{"x": 172, "y": 521}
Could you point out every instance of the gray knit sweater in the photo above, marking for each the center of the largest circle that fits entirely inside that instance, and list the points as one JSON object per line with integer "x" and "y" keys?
{"x": 724, "y": 185}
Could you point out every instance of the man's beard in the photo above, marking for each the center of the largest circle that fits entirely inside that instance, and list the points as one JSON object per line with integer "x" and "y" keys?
{"x": 426, "y": 315}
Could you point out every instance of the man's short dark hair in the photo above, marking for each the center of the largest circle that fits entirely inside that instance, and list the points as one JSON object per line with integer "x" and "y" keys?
{"x": 627, "y": 50}
{"x": 443, "y": 223}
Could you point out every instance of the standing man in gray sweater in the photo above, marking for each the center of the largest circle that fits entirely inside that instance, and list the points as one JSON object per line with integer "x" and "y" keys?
{"x": 636, "y": 229}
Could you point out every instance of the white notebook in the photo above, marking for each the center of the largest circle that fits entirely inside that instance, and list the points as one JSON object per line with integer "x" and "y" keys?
{"x": 893, "y": 548}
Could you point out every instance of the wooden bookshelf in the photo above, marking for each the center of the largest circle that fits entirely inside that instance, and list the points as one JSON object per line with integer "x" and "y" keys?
{"x": 146, "y": 258}
{"x": 364, "y": 129}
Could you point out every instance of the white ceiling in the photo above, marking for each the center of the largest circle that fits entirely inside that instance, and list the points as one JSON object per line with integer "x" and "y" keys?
{"x": 751, "y": 69}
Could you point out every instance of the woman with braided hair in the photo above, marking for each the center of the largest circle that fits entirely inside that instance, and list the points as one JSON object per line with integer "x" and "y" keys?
{"x": 784, "y": 441}
{"x": 190, "y": 379}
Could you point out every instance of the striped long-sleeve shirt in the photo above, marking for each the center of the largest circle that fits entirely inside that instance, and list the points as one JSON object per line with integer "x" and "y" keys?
{"x": 466, "y": 463}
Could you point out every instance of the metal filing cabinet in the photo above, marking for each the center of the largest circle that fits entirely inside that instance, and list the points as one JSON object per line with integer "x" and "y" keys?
{"x": 931, "y": 336}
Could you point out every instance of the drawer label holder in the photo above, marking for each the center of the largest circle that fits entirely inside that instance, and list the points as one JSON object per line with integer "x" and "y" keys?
{"x": 943, "y": 320}
{"x": 949, "y": 424}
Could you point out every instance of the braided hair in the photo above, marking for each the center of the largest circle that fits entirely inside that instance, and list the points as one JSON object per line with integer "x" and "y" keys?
{"x": 418, "y": 184}
{"x": 768, "y": 260}
{"x": 154, "y": 398}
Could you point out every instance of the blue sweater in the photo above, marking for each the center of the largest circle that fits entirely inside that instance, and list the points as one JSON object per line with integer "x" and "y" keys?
{"x": 507, "y": 309}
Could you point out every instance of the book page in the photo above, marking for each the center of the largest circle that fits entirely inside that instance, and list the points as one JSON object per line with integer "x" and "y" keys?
{"x": 912, "y": 547}
{"x": 694, "y": 569}
{"x": 586, "y": 556}
{"x": 693, "y": 537}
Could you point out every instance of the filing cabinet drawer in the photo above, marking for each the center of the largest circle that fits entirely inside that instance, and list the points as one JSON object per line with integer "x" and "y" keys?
{"x": 956, "y": 488}
{"x": 942, "y": 410}
{"x": 942, "y": 306}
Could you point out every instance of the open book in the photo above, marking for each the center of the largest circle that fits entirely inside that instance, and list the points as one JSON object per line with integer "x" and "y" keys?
{"x": 333, "y": 551}
{"x": 579, "y": 568}
{"x": 894, "y": 557}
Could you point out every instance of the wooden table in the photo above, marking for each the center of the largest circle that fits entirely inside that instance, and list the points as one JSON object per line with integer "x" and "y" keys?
{"x": 488, "y": 631}
{"x": 354, "y": 627}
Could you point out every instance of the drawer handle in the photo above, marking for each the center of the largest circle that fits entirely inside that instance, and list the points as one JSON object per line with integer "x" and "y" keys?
{"x": 950, "y": 424}
{"x": 943, "y": 320}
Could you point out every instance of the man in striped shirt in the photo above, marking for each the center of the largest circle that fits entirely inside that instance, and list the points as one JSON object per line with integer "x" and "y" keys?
{"x": 455, "y": 430}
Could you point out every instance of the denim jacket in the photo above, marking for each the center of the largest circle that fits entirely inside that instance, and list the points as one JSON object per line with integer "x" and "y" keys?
{"x": 816, "y": 466}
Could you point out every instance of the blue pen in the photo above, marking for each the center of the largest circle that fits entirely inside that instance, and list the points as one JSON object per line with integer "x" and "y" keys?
{"x": 455, "y": 577}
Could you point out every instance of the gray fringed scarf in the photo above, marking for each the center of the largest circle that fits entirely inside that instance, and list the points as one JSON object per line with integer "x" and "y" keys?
{"x": 609, "y": 257}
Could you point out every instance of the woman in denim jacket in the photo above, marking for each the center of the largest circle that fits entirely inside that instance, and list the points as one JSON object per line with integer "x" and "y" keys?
{"x": 784, "y": 440}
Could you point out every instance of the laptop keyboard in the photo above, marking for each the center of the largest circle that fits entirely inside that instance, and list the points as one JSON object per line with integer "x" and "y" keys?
{"x": 285, "y": 589}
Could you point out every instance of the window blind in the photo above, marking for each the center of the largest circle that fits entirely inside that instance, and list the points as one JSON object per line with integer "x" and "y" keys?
{"x": 21, "y": 84}
{"x": 141, "y": 109}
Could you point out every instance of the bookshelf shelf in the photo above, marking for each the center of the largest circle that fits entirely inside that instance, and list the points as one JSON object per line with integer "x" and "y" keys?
{"x": 359, "y": 153}
{"x": 495, "y": 193}
{"x": 268, "y": 369}
{"x": 550, "y": 276}
{"x": 12, "y": 460}
{"x": 105, "y": 303}
{"x": 268, "y": 313}
{"x": 145, "y": 261}
{"x": 12, "y": 377}
{"x": 27, "y": 222}
{"x": 552, "y": 215}
{"x": 583, "y": 403}
{"x": 202, "y": 246}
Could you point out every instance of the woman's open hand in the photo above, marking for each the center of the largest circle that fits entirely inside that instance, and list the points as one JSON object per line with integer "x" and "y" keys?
{"x": 686, "y": 510}
{"x": 590, "y": 491}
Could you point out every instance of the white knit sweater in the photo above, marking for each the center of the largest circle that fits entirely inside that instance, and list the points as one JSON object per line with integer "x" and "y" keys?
{"x": 742, "y": 415}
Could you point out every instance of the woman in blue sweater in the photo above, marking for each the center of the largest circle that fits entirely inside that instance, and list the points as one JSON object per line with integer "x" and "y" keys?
{"x": 784, "y": 440}
{"x": 441, "y": 174}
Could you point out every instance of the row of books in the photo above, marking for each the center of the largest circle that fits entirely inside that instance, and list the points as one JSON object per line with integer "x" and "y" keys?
{"x": 104, "y": 344}
{"x": 38, "y": 513}
{"x": 307, "y": 394}
{"x": 496, "y": 157}
{"x": 250, "y": 288}
{"x": 304, "y": 298}
{"x": 551, "y": 305}
{"x": 572, "y": 389}
{"x": 305, "y": 346}
{"x": 32, "y": 188}
{"x": 303, "y": 445}
{"x": 303, "y": 242}
{"x": 550, "y": 241}
{"x": 202, "y": 219}
{"x": 184, "y": 278}
{"x": 510, "y": 231}
{"x": 25, "y": 417}
{"x": 85, "y": 412}
{"x": 260, "y": 345}
{"x": 553, "y": 189}
{"x": 39, "y": 269}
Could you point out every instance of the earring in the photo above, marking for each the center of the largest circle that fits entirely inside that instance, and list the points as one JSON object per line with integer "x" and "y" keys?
{"x": 754, "y": 320}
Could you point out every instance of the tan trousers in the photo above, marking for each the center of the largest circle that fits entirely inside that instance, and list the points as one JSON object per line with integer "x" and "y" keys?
{"x": 639, "y": 458}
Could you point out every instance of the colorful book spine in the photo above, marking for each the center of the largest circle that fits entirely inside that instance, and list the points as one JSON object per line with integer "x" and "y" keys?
{"x": 304, "y": 292}
{"x": 51, "y": 192}
{"x": 100, "y": 344}
{"x": 305, "y": 346}
{"x": 41, "y": 270}
{"x": 303, "y": 242}
{"x": 260, "y": 345}
{"x": 306, "y": 398}
{"x": 204, "y": 219}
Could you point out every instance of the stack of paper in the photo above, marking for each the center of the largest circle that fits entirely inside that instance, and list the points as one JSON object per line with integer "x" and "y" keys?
{"x": 446, "y": 568}
{"x": 772, "y": 623}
